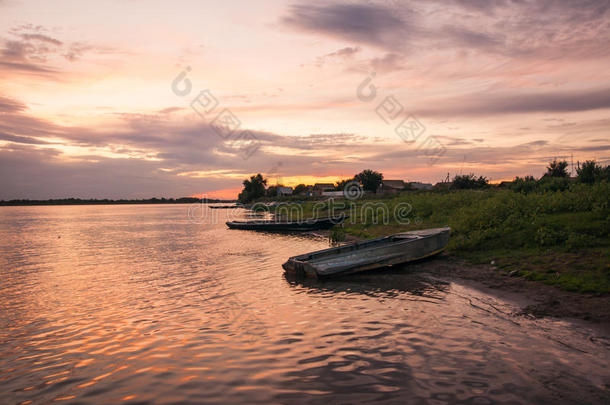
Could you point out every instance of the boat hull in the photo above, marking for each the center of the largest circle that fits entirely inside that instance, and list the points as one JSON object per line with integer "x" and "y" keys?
{"x": 371, "y": 254}
{"x": 278, "y": 226}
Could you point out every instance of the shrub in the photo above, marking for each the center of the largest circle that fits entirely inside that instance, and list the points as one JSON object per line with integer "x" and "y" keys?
{"x": 337, "y": 234}
{"x": 547, "y": 236}
{"x": 590, "y": 172}
{"x": 524, "y": 185}
{"x": 469, "y": 181}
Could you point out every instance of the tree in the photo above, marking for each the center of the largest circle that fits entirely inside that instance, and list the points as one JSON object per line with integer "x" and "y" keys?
{"x": 369, "y": 179}
{"x": 253, "y": 188}
{"x": 589, "y": 172}
{"x": 340, "y": 185}
{"x": 271, "y": 191}
{"x": 301, "y": 188}
{"x": 468, "y": 181}
{"x": 557, "y": 169}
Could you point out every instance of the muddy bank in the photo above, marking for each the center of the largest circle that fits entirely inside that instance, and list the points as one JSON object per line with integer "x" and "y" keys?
{"x": 536, "y": 299}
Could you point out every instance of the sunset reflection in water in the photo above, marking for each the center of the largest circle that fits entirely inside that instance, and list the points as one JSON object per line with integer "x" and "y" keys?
{"x": 137, "y": 304}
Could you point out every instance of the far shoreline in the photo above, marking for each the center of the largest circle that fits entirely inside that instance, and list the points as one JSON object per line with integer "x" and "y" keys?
{"x": 80, "y": 201}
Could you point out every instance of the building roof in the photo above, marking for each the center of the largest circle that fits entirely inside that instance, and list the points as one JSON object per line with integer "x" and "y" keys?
{"x": 393, "y": 184}
{"x": 320, "y": 185}
{"x": 420, "y": 186}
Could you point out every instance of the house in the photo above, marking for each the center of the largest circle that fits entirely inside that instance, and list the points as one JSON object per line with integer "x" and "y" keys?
{"x": 320, "y": 188}
{"x": 416, "y": 185}
{"x": 281, "y": 190}
{"x": 391, "y": 186}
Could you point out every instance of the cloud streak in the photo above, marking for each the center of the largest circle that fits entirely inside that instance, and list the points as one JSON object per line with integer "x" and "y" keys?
{"x": 510, "y": 28}
{"x": 30, "y": 50}
{"x": 480, "y": 104}
{"x": 365, "y": 23}
{"x": 149, "y": 155}
{"x": 503, "y": 84}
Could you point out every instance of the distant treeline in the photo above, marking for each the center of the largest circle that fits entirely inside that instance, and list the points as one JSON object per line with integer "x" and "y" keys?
{"x": 79, "y": 201}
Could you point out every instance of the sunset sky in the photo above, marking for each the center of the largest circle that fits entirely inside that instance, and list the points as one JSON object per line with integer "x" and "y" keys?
{"x": 92, "y": 104}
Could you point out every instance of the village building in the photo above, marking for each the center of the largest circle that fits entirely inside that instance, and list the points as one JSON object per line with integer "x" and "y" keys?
{"x": 416, "y": 185}
{"x": 391, "y": 186}
{"x": 282, "y": 191}
{"x": 320, "y": 188}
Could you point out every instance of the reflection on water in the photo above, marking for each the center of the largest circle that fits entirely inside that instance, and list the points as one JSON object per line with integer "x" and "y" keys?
{"x": 389, "y": 282}
{"x": 137, "y": 304}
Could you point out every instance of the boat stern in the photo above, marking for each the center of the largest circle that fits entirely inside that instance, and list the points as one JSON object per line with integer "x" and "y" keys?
{"x": 299, "y": 268}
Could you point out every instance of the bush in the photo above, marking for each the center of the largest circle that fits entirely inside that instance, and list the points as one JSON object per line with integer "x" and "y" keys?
{"x": 590, "y": 172}
{"x": 547, "y": 236}
{"x": 337, "y": 234}
{"x": 553, "y": 184}
{"x": 524, "y": 185}
{"x": 469, "y": 181}
{"x": 578, "y": 240}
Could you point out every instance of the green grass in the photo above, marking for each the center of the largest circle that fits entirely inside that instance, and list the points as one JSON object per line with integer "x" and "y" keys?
{"x": 556, "y": 237}
{"x": 585, "y": 270}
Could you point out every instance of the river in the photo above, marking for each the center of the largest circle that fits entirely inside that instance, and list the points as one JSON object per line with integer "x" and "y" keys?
{"x": 142, "y": 304}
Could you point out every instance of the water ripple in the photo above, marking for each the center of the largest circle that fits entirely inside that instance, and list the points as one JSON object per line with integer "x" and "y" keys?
{"x": 137, "y": 305}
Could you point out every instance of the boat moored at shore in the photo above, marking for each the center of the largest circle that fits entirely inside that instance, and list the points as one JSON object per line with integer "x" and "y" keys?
{"x": 371, "y": 254}
{"x": 287, "y": 226}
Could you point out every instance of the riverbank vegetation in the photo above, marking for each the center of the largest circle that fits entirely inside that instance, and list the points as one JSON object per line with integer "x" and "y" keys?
{"x": 554, "y": 229}
{"x": 558, "y": 237}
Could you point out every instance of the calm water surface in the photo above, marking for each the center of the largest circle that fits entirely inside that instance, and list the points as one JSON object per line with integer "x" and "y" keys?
{"x": 137, "y": 304}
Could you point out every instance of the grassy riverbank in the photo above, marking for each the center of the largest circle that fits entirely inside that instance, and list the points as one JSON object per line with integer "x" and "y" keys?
{"x": 561, "y": 238}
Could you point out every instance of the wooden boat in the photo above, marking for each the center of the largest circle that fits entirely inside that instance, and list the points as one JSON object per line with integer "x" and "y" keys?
{"x": 224, "y": 207}
{"x": 371, "y": 254}
{"x": 277, "y": 225}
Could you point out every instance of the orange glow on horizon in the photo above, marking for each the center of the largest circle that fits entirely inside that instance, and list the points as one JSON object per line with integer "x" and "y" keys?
{"x": 291, "y": 181}
{"x": 223, "y": 194}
